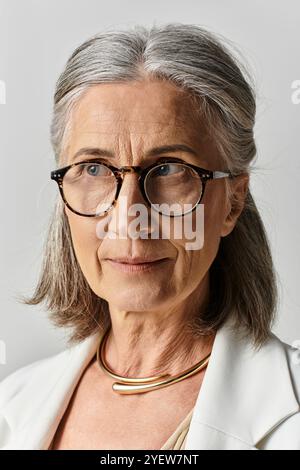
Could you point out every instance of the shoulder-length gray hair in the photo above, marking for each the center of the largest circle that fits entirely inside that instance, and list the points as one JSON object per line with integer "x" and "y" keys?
{"x": 242, "y": 276}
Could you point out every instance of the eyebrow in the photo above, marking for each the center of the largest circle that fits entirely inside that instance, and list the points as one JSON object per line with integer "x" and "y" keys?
{"x": 95, "y": 151}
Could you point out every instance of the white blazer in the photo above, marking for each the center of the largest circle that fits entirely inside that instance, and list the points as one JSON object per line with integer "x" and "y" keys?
{"x": 248, "y": 399}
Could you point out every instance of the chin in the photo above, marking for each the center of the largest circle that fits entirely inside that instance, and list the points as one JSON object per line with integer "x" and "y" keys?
{"x": 136, "y": 299}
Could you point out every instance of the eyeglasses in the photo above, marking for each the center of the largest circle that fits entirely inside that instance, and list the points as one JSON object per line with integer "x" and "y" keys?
{"x": 172, "y": 187}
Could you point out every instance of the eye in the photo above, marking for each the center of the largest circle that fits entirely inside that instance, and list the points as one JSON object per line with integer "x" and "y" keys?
{"x": 95, "y": 169}
{"x": 92, "y": 170}
{"x": 168, "y": 169}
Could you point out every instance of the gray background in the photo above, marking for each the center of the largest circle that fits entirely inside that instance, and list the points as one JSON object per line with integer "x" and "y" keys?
{"x": 36, "y": 38}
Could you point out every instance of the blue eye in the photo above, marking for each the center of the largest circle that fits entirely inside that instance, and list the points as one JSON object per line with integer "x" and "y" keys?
{"x": 168, "y": 169}
{"x": 164, "y": 170}
{"x": 95, "y": 170}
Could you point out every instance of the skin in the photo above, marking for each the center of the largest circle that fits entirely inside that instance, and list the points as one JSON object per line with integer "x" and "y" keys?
{"x": 149, "y": 311}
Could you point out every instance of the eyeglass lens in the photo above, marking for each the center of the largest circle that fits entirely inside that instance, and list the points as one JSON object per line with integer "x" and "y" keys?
{"x": 90, "y": 188}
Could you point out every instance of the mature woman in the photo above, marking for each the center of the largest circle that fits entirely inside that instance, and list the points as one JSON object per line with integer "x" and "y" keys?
{"x": 171, "y": 344}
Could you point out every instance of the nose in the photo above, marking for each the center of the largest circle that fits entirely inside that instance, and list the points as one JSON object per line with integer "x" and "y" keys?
{"x": 130, "y": 188}
{"x": 130, "y": 205}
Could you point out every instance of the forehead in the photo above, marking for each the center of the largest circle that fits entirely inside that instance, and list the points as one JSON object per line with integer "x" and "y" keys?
{"x": 130, "y": 118}
{"x": 135, "y": 107}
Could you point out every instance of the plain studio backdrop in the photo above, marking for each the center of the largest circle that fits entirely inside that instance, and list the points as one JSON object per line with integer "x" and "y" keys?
{"x": 36, "y": 38}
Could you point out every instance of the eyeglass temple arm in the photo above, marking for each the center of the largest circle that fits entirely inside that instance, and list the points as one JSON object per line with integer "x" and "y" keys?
{"x": 221, "y": 174}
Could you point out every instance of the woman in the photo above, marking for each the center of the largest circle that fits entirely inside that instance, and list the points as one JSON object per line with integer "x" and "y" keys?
{"x": 171, "y": 346}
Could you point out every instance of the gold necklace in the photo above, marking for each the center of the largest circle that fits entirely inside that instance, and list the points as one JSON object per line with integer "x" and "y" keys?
{"x": 129, "y": 385}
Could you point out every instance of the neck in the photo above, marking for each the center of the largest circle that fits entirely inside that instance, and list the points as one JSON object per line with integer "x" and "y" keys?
{"x": 146, "y": 343}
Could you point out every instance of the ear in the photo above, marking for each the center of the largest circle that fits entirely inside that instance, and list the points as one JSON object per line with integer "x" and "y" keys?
{"x": 239, "y": 188}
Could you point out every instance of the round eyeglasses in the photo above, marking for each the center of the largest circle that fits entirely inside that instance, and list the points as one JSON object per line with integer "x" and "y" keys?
{"x": 172, "y": 187}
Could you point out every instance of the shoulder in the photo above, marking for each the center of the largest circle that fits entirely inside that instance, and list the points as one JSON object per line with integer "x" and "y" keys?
{"x": 286, "y": 435}
{"x": 41, "y": 370}
{"x": 292, "y": 352}
{"x": 32, "y": 396}
{"x": 23, "y": 391}
{"x": 39, "y": 377}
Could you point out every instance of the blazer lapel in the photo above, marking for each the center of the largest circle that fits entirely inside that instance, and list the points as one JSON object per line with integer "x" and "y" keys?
{"x": 244, "y": 393}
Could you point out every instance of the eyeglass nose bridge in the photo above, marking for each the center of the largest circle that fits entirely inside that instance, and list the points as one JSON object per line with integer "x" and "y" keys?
{"x": 130, "y": 169}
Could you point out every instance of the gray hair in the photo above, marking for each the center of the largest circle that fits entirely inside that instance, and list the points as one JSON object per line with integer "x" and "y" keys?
{"x": 242, "y": 276}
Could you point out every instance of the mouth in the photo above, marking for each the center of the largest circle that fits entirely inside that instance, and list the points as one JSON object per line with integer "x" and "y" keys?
{"x": 135, "y": 264}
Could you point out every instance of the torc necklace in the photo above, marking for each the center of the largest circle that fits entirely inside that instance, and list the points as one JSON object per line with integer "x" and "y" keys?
{"x": 128, "y": 385}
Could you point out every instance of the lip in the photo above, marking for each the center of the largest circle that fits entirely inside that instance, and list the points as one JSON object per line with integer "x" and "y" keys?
{"x": 132, "y": 265}
{"x": 134, "y": 260}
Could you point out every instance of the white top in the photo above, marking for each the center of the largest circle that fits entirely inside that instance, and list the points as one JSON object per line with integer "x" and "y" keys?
{"x": 248, "y": 399}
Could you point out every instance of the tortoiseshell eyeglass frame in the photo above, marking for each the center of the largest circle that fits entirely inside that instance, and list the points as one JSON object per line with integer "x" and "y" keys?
{"x": 205, "y": 175}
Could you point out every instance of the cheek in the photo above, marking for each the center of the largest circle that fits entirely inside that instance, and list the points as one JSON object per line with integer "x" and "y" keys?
{"x": 85, "y": 241}
{"x": 193, "y": 264}
{"x": 214, "y": 213}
